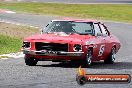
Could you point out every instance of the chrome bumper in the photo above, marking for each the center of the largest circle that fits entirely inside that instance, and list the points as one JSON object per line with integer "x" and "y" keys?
{"x": 52, "y": 53}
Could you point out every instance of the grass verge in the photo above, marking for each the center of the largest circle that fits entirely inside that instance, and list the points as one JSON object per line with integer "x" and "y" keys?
{"x": 97, "y": 11}
{"x": 9, "y": 44}
{"x": 11, "y": 37}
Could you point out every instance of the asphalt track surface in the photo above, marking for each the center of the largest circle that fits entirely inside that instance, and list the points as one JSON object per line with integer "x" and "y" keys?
{"x": 15, "y": 74}
{"x": 78, "y": 1}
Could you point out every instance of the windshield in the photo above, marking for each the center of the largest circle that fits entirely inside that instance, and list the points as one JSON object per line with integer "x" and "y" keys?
{"x": 70, "y": 27}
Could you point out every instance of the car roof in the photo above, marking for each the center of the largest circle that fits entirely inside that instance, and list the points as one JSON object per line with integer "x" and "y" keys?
{"x": 77, "y": 20}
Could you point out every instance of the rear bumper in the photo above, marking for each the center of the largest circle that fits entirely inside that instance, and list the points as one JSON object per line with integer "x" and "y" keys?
{"x": 53, "y": 53}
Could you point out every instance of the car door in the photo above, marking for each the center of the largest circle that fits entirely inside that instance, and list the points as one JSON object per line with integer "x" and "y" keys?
{"x": 107, "y": 41}
{"x": 100, "y": 42}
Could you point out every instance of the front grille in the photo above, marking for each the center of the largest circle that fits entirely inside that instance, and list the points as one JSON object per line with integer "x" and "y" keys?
{"x": 51, "y": 46}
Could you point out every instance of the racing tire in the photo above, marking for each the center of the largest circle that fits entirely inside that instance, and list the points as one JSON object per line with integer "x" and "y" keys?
{"x": 30, "y": 61}
{"x": 88, "y": 58}
{"x": 111, "y": 57}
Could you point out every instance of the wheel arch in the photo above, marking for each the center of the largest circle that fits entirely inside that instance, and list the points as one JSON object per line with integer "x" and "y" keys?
{"x": 91, "y": 48}
{"x": 115, "y": 46}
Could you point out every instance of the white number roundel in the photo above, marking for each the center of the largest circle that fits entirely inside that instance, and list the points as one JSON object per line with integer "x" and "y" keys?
{"x": 101, "y": 50}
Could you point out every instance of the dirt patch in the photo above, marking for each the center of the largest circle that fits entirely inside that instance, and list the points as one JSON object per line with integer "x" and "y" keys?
{"x": 17, "y": 30}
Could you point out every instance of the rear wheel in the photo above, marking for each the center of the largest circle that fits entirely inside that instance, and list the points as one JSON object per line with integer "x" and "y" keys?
{"x": 30, "y": 61}
{"x": 111, "y": 57}
{"x": 88, "y": 59}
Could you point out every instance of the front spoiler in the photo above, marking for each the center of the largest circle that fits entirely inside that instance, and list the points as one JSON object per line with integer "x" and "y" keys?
{"x": 52, "y": 53}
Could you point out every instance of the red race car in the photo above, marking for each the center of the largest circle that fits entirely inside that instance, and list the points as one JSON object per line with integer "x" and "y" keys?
{"x": 83, "y": 41}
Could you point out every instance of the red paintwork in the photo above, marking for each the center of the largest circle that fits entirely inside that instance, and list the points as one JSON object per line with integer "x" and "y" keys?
{"x": 72, "y": 39}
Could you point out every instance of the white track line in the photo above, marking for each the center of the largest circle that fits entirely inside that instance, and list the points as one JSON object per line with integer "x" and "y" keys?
{"x": 16, "y": 23}
{"x": 11, "y": 55}
{"x": 6, "y": 11}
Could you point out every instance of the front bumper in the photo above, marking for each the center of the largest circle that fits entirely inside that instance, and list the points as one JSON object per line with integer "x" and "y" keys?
{"x": 52, "y": 53}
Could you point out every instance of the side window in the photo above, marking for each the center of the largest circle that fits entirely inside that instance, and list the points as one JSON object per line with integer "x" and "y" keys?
{"x": 83, "y": 27}
{"x": 104, "y": 31}
{"x": 97, "y": 29}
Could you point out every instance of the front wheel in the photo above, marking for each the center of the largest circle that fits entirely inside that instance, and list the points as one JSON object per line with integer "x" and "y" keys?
{"x": 111, "y": 57}
{"x": 88, "y": 59}
{"x": 30, "y": 61}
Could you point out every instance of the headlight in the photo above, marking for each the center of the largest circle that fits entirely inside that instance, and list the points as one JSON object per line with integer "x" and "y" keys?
{"x": 77, "y": 47}
{"x": 26, "y": 45}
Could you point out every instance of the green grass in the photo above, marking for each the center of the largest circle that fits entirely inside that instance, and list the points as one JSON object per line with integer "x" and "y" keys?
{"x": 11, "y": 37}
{"x": 8, "y": 44}
{"x": 96, "y": 11}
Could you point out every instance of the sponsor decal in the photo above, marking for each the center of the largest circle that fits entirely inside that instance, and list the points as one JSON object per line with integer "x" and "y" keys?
{"x": 49, "y": 52}
{"x": 89, "y": 42}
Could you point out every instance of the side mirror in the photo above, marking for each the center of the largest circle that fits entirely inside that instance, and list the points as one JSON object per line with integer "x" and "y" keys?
{"x": 42, "y": 30}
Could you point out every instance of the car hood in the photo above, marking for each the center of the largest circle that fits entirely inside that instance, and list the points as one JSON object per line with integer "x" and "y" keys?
{"x": 58, "y": 37}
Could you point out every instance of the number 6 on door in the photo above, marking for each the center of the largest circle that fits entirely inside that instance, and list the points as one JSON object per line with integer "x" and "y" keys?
{"x": 101, "y": 50}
